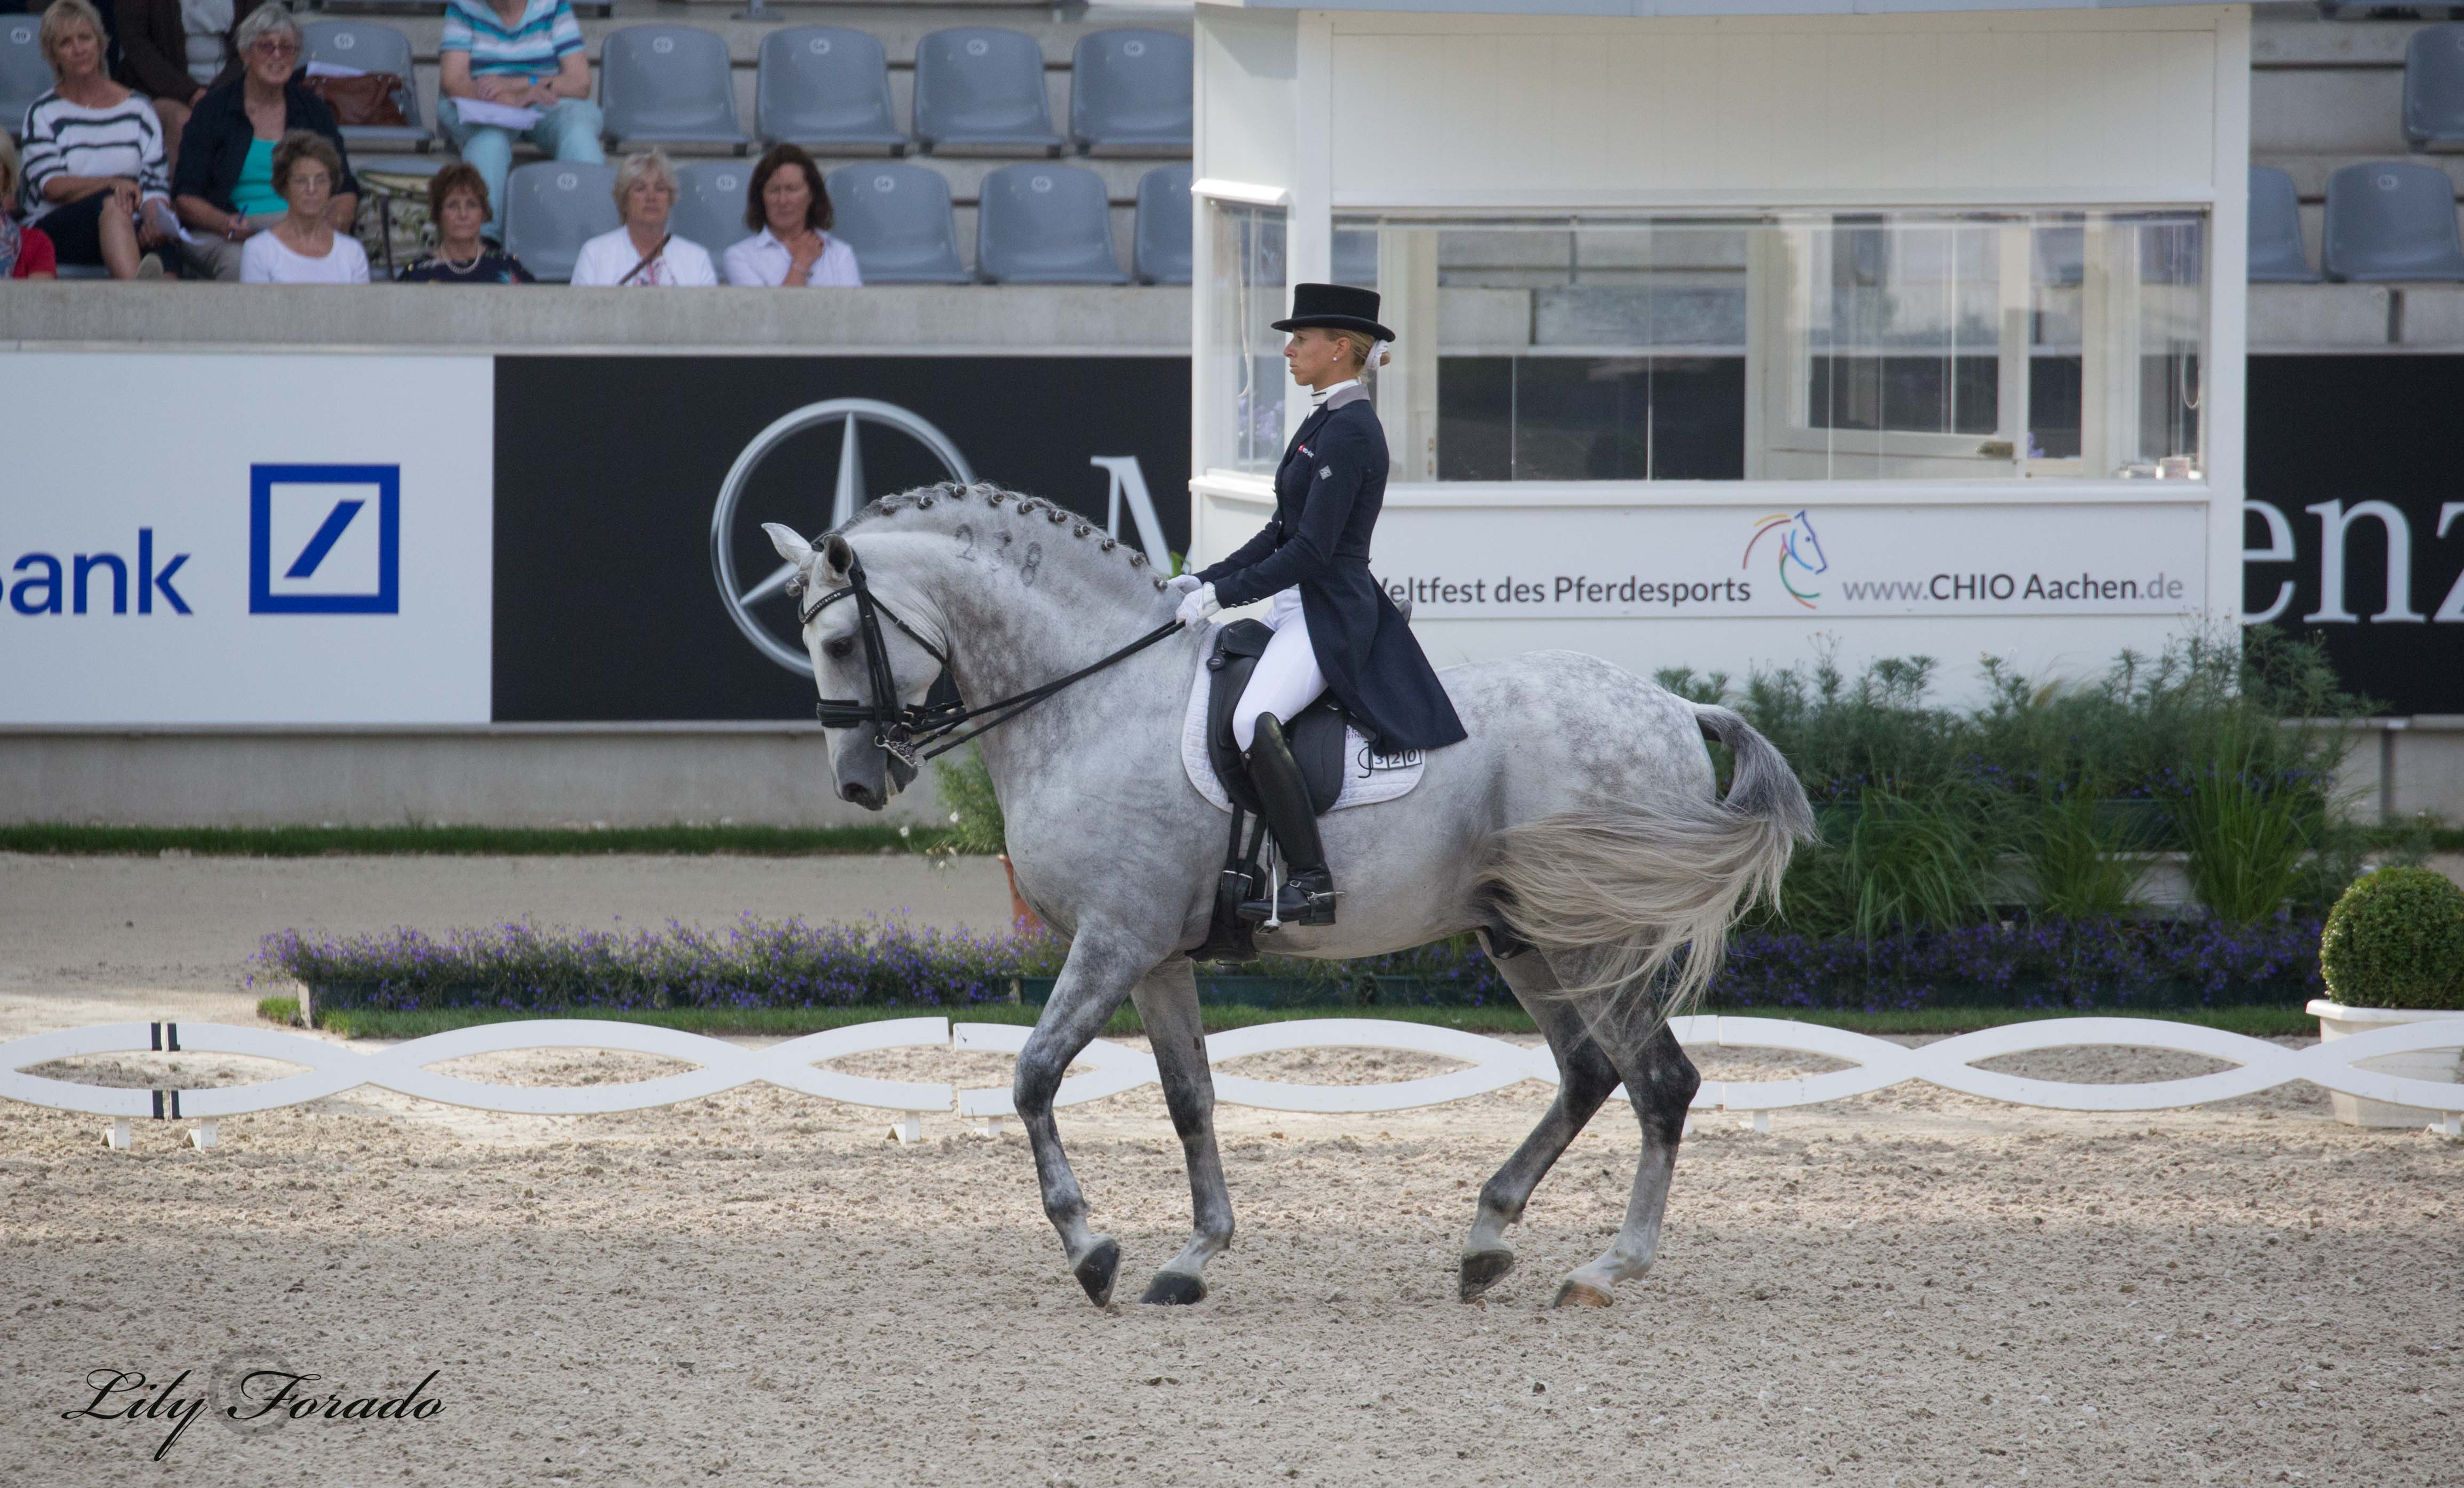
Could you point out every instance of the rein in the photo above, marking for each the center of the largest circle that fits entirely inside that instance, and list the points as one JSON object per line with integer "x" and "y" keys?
{"x": 902, "y": 731}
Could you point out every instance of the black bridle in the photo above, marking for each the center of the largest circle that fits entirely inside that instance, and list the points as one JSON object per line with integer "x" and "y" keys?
{"x": 903, "y": 731}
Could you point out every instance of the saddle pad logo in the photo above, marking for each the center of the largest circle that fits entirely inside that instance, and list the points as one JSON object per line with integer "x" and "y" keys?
{"x": 1373, "y": 777}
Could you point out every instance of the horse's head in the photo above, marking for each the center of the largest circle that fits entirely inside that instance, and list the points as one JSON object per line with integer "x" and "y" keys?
{"x": 844, "y": 671}
{"x": 1805, "y": 547}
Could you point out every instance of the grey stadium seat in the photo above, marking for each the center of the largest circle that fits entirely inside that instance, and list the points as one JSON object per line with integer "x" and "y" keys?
{"x": 2433, "y": 88}
{"x": 24, "y": 75}
{"x": 824, "y": 87}
{"x": 981, "y": 85}
{"x": 2390, "y": 220}
{"x": 372, "y": 47}
{"x": 897, "y": 220}
{"x": 1132, "y": 87}
{"x": 552, "y": 208}
{"x": 1164, "y": 222}
{"x": 709, "y": 204}
{"x": 662, "y": 84}
{"x": 1043, "y": 223}
{"x": 2276, "y": 254}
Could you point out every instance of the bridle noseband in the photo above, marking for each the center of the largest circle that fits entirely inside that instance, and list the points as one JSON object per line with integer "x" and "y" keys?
{"x": 902, "y": 731}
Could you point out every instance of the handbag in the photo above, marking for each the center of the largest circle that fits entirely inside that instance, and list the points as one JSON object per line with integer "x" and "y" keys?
{"x": 366, "y": 100}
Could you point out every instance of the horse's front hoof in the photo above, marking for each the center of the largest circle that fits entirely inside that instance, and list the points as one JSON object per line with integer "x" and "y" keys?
{"x": 1096, "y": 1271}
{"x": 1174, "y": 1289}
{"x": 1482, "y": 1269}
{"x": 1582, "y": 1294}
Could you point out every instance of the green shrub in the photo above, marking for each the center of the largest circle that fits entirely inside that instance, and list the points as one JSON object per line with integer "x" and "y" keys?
{"x": 2244, "y": 830}
{"x": 966, "y": 788}
{"x": 2396, "y": 940}
{"x": 2081, "y": 856}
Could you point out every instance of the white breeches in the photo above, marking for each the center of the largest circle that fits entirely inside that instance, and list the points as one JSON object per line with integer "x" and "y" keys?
{"x": 1287, "y": 679}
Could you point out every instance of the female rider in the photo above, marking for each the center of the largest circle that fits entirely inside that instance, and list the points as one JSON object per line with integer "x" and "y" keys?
{"x": 1335, "y": 627}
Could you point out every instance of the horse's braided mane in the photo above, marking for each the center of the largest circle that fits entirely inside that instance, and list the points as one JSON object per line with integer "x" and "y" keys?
{"x": 923, "y": 498}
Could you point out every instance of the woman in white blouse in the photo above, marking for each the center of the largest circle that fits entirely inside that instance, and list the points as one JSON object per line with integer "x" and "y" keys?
{"x": 303, "y": 247}
{"x": 642, "y": 253}
{"x": 790, "y": 209}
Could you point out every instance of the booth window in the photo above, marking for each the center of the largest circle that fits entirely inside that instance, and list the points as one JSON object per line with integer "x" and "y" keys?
{"x": 1791, "y": 347}
{"x": 1246, "y": 294}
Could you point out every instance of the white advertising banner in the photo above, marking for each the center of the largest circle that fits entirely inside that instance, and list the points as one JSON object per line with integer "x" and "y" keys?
{"x": 245, "y": 540}
{"x": 1796, "y": 559}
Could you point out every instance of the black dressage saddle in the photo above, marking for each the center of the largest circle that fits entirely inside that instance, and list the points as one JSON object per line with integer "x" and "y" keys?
{"x": 1316, "y": 736}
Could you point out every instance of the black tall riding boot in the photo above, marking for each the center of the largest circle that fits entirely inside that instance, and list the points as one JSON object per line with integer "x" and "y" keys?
{"x": 1307, "y": 895}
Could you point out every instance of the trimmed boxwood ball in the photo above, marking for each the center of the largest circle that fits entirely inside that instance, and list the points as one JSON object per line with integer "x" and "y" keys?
{"x": 2395, "y": 939}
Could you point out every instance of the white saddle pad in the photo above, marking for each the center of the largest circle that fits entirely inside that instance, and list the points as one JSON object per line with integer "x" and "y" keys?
{"x": 1368, "y": 776}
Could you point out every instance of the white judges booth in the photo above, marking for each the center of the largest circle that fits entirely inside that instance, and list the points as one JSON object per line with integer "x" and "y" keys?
{"x": 1733, "y": 328}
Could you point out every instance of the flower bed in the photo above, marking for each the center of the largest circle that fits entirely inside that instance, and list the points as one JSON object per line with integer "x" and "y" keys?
{"x": 2069, "y": 964}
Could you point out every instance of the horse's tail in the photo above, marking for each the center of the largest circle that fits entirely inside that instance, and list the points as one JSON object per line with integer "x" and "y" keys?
{"x": 1618, "y": 891}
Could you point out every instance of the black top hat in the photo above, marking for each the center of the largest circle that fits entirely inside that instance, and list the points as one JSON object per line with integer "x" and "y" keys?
{"x": 1339, "y": 307}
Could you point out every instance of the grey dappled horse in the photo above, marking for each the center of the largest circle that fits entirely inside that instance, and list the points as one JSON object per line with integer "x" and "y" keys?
{"x": 1582, "y": 815}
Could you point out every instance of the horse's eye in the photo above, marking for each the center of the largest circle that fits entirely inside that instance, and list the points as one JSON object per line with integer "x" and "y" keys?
{"x": 838, "y": 650}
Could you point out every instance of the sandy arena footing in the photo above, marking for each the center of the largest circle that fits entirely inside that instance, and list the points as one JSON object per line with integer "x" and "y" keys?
{"x": 1910, "y": 1287}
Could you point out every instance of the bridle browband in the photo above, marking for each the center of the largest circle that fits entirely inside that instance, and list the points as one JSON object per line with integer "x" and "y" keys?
{"x": 902, "y": 731}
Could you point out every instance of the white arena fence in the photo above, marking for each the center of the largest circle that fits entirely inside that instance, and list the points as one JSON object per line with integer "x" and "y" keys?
{"x": 1875, "y": 1063}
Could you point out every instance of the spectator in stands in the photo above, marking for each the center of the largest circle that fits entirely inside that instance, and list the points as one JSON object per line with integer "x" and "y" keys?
{"x": 303, "y": 247}
{"x": 642, "y": 253}
{"x": 223, "y": 188}
{"x": 25, "y": 253}
{"x": 788, "y": 207}
{"x": 95, "y": 178}
{"x": 521, "y": 55}
{"x": 457, "y": 203}
{"x": 175, "y": 50}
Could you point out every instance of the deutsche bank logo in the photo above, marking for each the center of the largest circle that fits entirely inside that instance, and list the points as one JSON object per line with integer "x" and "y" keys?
{"x": 324, "y": 540}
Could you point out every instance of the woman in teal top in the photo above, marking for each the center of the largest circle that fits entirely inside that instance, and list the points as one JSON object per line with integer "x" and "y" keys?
{"x": 223, "y": 189}
{"x": 253, "y": 194}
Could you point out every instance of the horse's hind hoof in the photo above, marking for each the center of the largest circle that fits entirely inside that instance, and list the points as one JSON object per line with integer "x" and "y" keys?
{"x": 1174, "y": 1289}
{"x": 1582, "y": 1294}
{"x": 1095, "y": 1273}
{"x": 1482, "y": 1269}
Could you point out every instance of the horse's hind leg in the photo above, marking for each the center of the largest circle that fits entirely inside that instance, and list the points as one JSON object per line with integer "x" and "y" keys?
{"x": 1168, "y": 1006}
{"x": 1094, "y": 982}
{"x": 1661, "y": 1081}
{"x": 1584, "y": 1080}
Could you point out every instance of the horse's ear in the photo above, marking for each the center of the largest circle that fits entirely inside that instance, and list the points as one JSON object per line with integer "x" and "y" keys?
{"x": 838, "y": 558}
{"x": 791, "y": 546}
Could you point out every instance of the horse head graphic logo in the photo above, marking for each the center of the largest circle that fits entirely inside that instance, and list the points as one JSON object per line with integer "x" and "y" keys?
{"x": 1799, "y": 548}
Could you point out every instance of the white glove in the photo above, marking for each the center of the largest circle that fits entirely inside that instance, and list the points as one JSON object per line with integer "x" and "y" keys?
{"x": 1196, "y": 605}
{"x": 1183, "y": 584}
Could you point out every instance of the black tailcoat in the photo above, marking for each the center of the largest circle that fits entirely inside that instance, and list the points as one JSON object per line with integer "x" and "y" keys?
{"x": 1327, "y": 493}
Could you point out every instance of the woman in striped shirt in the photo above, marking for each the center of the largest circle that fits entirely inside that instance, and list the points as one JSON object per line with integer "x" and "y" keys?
{"x": 518, "y": 55}
{"x": 95, "y": 178}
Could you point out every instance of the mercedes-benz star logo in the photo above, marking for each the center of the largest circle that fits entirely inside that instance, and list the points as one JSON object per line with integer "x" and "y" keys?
{"x": 742, "y": 602}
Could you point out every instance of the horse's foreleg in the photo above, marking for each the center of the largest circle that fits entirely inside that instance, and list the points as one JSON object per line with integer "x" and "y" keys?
{"x": 1585, "y": 1077}
{"x": 1661, "y": 1081}
{"x": 1168, "y": 1005}
{"x": 1093, "y": 983}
